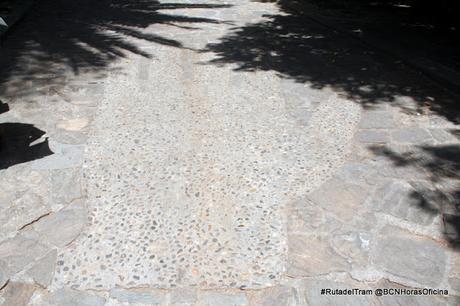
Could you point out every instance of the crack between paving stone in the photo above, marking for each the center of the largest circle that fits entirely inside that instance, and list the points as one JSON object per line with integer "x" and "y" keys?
{"x": 6, "y": 284}
{"x": 34, "y": 221}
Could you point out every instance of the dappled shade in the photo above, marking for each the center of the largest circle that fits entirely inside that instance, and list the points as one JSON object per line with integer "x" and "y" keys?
{"x": 298, "y": 47}
{"x": 84, "y": 35}
{"x": 442, "y": 166}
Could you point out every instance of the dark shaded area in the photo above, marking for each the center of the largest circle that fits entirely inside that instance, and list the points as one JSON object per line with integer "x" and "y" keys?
{"x": 442, "y": 165}
{"x": 4, "y": 107}
{"x": 16, "y": 144}
{"x": 297, "y": 46}
{"x": 84, "y": 35}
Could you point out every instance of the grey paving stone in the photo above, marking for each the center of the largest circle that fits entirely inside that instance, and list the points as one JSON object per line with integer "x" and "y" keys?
{"x": 183, "y": 296}
{"x": 274, "y": 296}
{"x": 443, "y": 136}
{"x": 340, "y": 198}
{"x": 359, "y": 173}
{"x": 312, "y": 291}
{"x": 303, "y": 259}
{"x": 70, "y": 297}
{"x": 65, "y": 184}
{"x": 411, "y": 135}
{"x": 400, "y": 199}
{"x": 377, "y": 120}
{"x": 353, "y": 244}
{"x": 17, "y": 294}
{"x": 410, "y": 257}
{"x": 139, "y": 297}
{"x": 65, "y": 156}
{"x": 453, "y": 276}
{"x": 43, "y": 270}
{"x": 62, "y": 227}
{"x": 373, "y": 136}
{"x": 5, "y": 273}
{"x": 303, "y": 216}
{"x": 19, "y": 251}
{"x": 212, "y": 298}
{"x": 23, "y": 210}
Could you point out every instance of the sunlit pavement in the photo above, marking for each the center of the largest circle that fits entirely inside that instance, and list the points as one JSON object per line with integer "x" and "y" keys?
{"x": 218, "y": 153}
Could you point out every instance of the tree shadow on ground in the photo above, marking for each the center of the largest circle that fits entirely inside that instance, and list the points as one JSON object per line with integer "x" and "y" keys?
{"x": 17, "y": 144}
{"x": 298, "y": 47}
{"x": 84, "y": 35}
{"x": 442, "y": 167}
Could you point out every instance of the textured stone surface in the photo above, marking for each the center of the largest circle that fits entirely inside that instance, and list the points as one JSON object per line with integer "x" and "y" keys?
{"x": 373, "y": 136}
{"x": 377, "y": 120}
{"x": 43, "y": 270}
{"x": 275, "y": 296}
{"x": 182, "y": 296}
{"x": 177, "y": 181}
{"x": 68, "y": 297}
{"x": 207, "y": 212}
{"x": 19, "y": 251}
{"x": 5, "y": 273}
{"x": 413, "y": 135}
{"x": 208, "y": 298}
{"x": 340, "y": 198}
{"x": 17, "y": 294}
{"x": 20, "y": 212}
{"x": 304, "y": 260}
{"x": 63, "y": 226}
{"x": 407, "y": 256}
{"x": 139, "y": 297}
{"x": 400, "y": 199}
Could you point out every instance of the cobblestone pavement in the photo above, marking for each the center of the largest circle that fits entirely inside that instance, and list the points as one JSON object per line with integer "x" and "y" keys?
{"x": 140, "y": 169}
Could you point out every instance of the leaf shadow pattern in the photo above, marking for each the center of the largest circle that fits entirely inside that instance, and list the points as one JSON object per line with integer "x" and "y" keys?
{"x": 298, "y": 47}
{"x": 441, "y": 195}
{"x": 84, "y": 35}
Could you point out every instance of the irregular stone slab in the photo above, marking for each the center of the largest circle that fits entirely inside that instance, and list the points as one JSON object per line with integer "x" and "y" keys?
{"x": 377, "y": 120}
{"x": 69, "y": 297}
{"x": 66, "y": 186}
{"x": 43, "y": 270}
{"x": 64, "y": 226}
{"x": 184, "y": 296}
{"x": 19, "y": 251}
{"x": 400, "y": 199}
{"x": 139, "y": 297}
{"x": 5, "y": 273}
{"x": 303, "y": 259}
{"x": 443, "y": 136}
{"x": 409, "y": 257}
{"x": 303, "y": 216}
{"x": 371, "y": 136}
{"x": 73, "y": 124}
{"x": 20, "y": 212}
{"x": 340, "y": 198}
{"x": 275, "y": 296}
{"x": 65, "y": 156}
{"x": 454, "y": 272}
{"x": 411, "y": 135}
{"x": 17, "y": 294}
{"x": 353, "y": 244}
{"x": 212, "y": 298}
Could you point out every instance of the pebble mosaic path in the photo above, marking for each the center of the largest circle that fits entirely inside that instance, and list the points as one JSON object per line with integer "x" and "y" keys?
{"x": 176, "y": 181}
